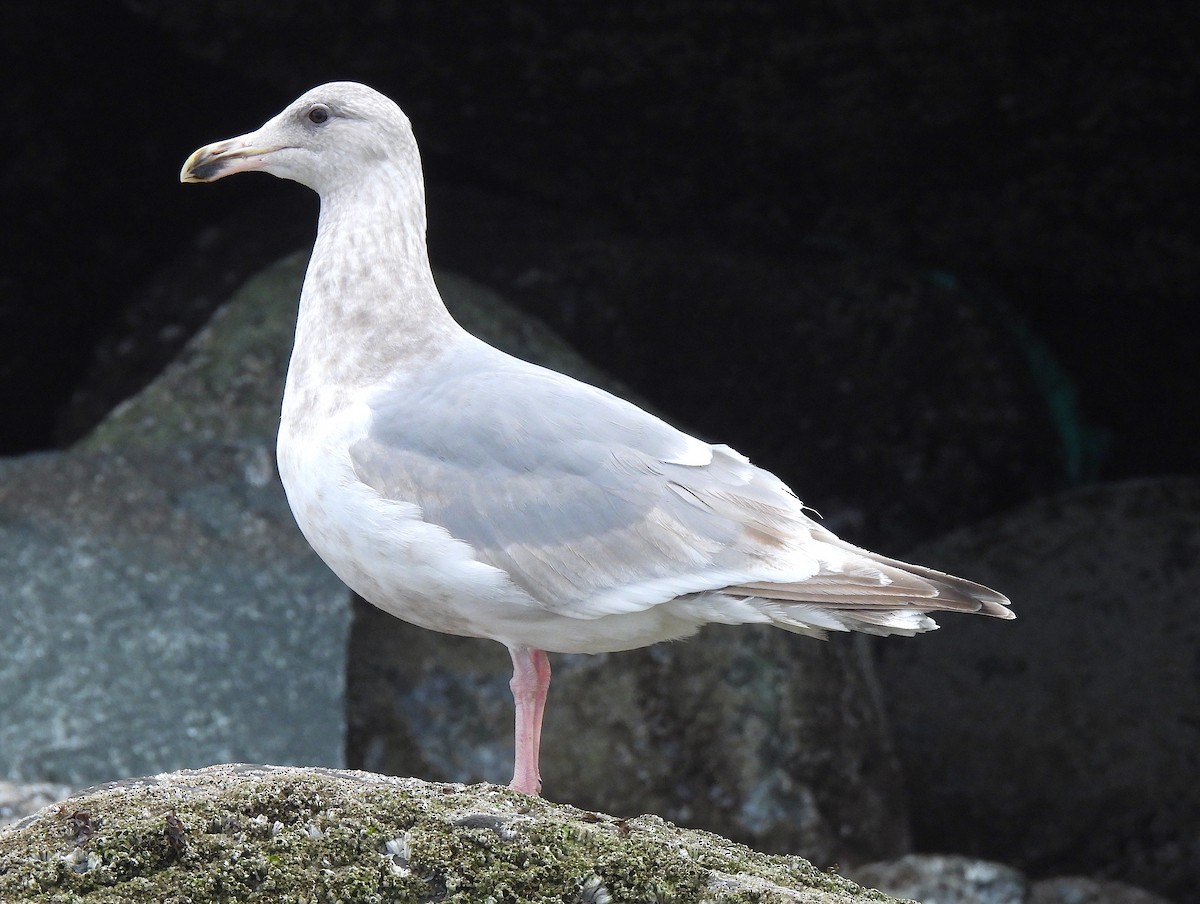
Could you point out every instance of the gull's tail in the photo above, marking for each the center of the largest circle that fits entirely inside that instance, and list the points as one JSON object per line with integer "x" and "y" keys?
{"x": 870, "y": 593}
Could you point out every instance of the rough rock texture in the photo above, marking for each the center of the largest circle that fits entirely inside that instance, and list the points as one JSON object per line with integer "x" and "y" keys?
{"x": 270, "y": 834}
{"x": 183, "y": 295}
{"x": 161, "y": 610}
{"x": 772, "y": 739}
{"x": 933, "y": 879}
{"x": 1067, "y": 741}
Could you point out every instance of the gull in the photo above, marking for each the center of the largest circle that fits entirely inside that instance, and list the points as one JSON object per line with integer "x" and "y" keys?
{"x": 470, "y": 492}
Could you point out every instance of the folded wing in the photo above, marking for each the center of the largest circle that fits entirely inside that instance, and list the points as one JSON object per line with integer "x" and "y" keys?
{"x": 595, "y": 507}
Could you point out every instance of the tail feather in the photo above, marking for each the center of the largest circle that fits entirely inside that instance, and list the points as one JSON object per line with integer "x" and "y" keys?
{"x": 870, "y": 593}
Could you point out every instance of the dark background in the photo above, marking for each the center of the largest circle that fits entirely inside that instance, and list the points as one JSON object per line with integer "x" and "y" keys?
{"x": 1041, "y": 153}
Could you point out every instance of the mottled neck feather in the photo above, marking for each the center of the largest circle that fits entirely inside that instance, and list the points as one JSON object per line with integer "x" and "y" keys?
{"x": 369, "y": 303}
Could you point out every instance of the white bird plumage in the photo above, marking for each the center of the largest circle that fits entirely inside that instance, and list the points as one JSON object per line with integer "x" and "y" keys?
{"x": 473, "y": 493}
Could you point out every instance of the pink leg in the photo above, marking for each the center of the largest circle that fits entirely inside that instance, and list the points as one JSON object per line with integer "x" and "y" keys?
{"x": 530, "y": 682}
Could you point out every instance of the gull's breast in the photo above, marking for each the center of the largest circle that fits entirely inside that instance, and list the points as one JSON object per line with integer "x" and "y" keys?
{"x": 382, "y": 548}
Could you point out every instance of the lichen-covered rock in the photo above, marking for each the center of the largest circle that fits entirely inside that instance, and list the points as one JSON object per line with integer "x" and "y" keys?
{"x": 276, "y": 834}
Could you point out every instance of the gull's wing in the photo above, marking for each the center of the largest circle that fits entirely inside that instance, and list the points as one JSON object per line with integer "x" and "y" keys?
{"x": 595, "y": 507}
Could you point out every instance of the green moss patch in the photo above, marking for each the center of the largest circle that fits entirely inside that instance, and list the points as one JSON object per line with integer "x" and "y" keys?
{"x": 287, "y": 836}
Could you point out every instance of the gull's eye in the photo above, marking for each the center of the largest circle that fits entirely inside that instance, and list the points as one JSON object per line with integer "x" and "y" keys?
{"x": 317, "y": 114}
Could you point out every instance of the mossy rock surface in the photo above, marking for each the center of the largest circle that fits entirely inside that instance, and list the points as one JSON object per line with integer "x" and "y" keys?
{"x": 280, "y": 834}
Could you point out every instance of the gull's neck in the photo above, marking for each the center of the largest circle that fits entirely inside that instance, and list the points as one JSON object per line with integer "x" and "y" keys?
{"x": 369, "y": 306}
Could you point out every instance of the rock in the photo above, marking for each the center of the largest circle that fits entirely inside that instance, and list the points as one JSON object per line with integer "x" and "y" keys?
{"x": 156, "y": 322}
{"x": 1065, "y": 742}
{"x": 163, "y": 612}
{"x": 952, "y": 879}
{"x": 938, "y": 879}
{"x": 18, "y": 800}
{"x": 1082, "y": 890}
{"x": 267, "y": 834}
{"x": 225, "y": 384}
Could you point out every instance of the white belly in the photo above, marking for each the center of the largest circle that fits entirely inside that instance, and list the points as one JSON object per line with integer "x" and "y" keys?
{"x": 388, "y": 554}
{"x": 385, "y": 552}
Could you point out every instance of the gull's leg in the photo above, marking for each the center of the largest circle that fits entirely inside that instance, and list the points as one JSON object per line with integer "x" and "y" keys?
{"x": 530, "y": 681}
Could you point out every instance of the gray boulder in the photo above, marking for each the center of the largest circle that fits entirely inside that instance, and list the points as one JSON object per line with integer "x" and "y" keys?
{"x": 161, "y": 611}
{"x": 945, "y": 879}
{"x": 1085, "y": 890}
{"x": 267, "y": 834}
{"x": 1067, "y": 740}
{"x": 954, "y": 879}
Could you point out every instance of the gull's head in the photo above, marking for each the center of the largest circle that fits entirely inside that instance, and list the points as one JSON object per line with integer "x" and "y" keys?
{"x": 339, "y": 131}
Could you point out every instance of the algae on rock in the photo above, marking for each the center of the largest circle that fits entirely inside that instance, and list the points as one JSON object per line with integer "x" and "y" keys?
{"x": 283, "y": 834}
